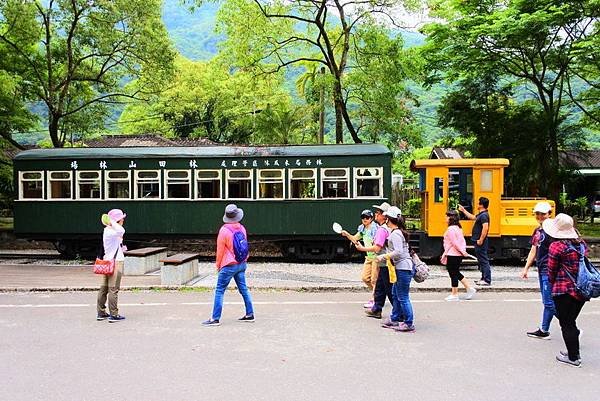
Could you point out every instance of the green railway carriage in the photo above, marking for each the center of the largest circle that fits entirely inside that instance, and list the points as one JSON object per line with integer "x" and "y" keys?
{"x": 290, "y": 194}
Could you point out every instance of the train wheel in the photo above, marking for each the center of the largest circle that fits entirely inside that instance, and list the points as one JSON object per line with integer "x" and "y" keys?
{"x": 66, "y": 248}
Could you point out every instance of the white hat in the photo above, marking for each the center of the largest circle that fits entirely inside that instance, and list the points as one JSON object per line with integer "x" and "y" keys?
{"x": 542, "y": 207}
{"x": 393, "y": 212}
{"x": 233, "y": 214}
{"x": 560, "y": 227}
{"x": 383, "y": 207}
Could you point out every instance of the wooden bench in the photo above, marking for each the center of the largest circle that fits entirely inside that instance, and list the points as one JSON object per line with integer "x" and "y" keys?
{"x": 179, "y": 269}
{"x": 143, "y": 260}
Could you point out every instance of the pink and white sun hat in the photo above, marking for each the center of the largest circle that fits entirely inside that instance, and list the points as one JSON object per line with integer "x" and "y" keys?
{"x": 116, "y": 214}
{"x": 560, "y": 227}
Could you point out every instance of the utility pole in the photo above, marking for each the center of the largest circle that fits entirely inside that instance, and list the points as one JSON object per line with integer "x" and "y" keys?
{"x": 322, "y": 110}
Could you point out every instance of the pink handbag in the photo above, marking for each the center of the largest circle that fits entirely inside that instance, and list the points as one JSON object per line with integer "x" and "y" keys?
{"x": 106, "y": 267}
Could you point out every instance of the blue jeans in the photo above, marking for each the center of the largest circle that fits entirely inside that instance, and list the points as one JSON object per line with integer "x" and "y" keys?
{"x": 549, "y": 310}
{"x": 402, "y": 306}
{"x": 481, "y": 252}
{"x": 238, "y": 273}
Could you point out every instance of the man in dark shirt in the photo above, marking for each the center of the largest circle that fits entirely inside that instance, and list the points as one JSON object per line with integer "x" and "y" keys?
{"x": 479, "y": 236}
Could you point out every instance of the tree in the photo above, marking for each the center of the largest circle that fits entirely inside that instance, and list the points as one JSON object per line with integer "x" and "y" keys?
{"x": 270, "y": 36}
{"x": 492, "y": 124}
{"x": 529, "y": 44}
{"x": 206, "y": 99}
{"x": 74, "y": 55}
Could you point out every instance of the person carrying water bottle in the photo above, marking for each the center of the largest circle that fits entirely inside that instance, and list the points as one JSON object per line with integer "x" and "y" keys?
{"x": 232, "y": 254}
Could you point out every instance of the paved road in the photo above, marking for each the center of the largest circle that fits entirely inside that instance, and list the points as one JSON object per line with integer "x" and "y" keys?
{"x": 302, "y": 347}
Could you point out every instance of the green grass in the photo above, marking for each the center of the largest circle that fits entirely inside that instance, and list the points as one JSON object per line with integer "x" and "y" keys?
{"x": 589, "y": 229}
{"x": 6, "y": 223}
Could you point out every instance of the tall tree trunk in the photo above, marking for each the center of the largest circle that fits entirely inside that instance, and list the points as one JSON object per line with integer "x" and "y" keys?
{"x": 53, "y": 131}
{"x": 339, "y": 128}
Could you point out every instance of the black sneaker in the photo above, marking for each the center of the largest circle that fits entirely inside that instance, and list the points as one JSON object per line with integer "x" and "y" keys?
{"x": 115, "y": 318}
{"x": 542, "y": 335}
{"x": 373, "y": 314}
{"x": 210, "y": 323}
{"x": 565, "y": 359}
{"x": 247, "y": 318}
{"x": 102, "y": 316}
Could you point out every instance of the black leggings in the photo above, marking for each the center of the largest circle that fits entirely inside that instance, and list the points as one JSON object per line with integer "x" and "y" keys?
{"x": 453, "y": 266}
{"x": 567, "y": 310}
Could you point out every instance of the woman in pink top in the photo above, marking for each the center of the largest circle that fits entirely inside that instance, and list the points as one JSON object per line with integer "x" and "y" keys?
{"x": 455, "y": 248}
{"x": 228, "y": 265}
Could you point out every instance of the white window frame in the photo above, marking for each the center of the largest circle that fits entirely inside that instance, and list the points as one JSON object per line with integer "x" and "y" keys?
{"x": 49, "y": 179}
{"x": 137, "y": 179}
{"x": 189, "y": 182}
{"x": 357, "y": 177}
{"x": 324, "y": 179}
{"x": 270, "y": 181}
{"x": 290, "y": 179}
{"x": 198, "y": 179}
{"x": 227, "y": 178}
{"x": 107, "y": 180}
{"x": 79, "y": 180}
{"x": 21, "y": 180}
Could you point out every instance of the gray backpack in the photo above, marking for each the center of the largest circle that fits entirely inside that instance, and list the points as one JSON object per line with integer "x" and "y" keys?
{"x": 420, "y": 269}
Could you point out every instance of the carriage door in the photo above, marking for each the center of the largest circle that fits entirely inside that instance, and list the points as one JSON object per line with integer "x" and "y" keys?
{"x": 438, "y": 201}
{"x": 460, "y": 192}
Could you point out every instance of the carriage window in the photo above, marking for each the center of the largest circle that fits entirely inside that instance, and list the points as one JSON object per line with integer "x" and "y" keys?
{"x": 368, "y": 182}
{"x": 239, "y": 184}
{"x": 32, "y": 185}
{"x": 59, "y": 185}
{"x": 270, "y": 184}
{"x": 178, "y": 184}
{"x": 486, "y": 181}
{"x": 88, "y": 185}
{"x": 117, "y": 184}
{"x": 334, "y": 183}
{"x": 438, "y": 189}
{"x": 147, "y": 184}
{"x": 460, "y": 189}
{"x": 208, "y": 184}
{"x": 302, "y": 184}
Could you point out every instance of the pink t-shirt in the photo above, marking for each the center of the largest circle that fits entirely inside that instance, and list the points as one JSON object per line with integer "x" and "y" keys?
{"x": 454, "y": 242}
{"x": 380, "y": 236}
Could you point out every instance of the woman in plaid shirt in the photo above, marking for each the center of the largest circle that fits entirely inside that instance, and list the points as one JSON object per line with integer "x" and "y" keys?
{"x": 563, "y": 256}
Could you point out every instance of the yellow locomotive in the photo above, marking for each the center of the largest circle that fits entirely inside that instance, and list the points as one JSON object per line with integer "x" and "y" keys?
{"x": 446, "y": 183}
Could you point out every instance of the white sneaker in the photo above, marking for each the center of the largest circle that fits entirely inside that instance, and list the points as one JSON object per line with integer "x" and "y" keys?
{"x": 452, "y": 298}
{"x": 470, "y": 292}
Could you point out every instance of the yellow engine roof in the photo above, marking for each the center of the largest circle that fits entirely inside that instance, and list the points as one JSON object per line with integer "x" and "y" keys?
{"x": 424, "y": 163}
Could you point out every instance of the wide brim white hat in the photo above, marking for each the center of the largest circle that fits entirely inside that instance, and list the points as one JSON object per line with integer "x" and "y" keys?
{"x": 560, "y": 227}
{"x": 233, "y": 214}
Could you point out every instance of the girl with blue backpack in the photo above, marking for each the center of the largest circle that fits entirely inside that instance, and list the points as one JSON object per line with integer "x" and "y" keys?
{"x": 232, "y": 254}
{"x": 563, "y": 267}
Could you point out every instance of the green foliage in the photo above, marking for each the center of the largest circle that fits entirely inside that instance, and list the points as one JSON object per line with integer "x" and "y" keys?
{"x": 503, "y": 45}
{"x": 412, "y": 207}
{"x": 366, "y": 64}
{"x": 73, "y": 56}
{"x": 207, "y": 100}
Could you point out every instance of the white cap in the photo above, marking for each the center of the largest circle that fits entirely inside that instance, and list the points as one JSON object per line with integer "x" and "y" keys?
{"x": 542, "y": 207}
{"x": 393, "y": 211}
